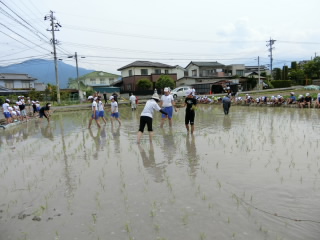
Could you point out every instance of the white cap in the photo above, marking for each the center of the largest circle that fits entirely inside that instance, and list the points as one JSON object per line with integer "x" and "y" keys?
{"x": 166, "y": 89}
{"x": 307, "y": 94}
{"x": 292, "y": 93}
{"x": 95, "y": 98}
{"x": 111, "y": 97}
{"x": 90, "y": 97}
{"x": 7, "y": 100}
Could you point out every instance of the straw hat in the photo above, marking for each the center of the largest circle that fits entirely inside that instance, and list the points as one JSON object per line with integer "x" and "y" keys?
{"x": 155, "y": 96}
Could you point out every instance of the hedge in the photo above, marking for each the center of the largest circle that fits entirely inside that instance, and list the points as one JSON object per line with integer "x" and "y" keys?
{"x": 281, "y": 83}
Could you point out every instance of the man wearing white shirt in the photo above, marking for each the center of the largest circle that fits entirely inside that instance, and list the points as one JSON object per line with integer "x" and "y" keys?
{"x": 167, "y": 104}
{"x": 133, "y": 102}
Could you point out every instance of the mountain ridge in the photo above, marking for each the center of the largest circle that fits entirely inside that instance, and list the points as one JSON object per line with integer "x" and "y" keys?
{"x": 44, "y": 71}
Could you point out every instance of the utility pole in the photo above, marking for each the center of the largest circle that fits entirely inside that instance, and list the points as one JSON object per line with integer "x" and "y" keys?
{"x": 259, "y": 85}
{"x": 54, "y": 27}
{"x": 77, "y": 67}
{"x": 270, "y": 43}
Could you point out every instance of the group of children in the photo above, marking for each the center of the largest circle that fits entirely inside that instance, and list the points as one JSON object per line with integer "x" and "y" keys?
{"x": 97, "y": 108}
{"x": 21, "y": 110}
{"x": 301, "y": 101}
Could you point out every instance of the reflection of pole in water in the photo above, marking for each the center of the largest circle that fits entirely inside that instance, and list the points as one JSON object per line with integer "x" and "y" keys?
{"x": 67, "y": 167}
{"x": 149, "y": 163}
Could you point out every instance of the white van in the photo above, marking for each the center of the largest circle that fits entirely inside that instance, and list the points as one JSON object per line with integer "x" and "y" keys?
{"x": 180, "y": 91}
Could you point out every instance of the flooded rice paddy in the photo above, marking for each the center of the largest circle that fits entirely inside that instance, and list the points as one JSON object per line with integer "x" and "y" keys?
{"x": 251, "y": 175}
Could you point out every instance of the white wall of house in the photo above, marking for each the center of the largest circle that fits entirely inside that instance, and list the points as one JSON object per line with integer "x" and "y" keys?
{"x": 237, "y": 68}
{"x": 185, "y": 82}
{"x": 191, "y": 68}
{"x": 100, "y": 80}
{"x": 179, "y": 71}
{"x": 17, "y": 84}
{"x": 150, "y": 70}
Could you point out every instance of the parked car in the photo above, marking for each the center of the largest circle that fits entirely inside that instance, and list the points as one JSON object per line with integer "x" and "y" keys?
{"x": 180, "y": 91}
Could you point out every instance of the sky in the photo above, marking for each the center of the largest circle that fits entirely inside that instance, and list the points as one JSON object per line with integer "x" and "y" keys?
{"x": 109, "y": 34}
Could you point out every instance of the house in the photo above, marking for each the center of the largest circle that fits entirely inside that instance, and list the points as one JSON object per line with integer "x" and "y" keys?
{"x": 204, "y": 75}
{"x": 17, "y": 81}
{"x": 137, "y": 70}
{"x": 98, "y": 78}
{"x": 262, "y": 68}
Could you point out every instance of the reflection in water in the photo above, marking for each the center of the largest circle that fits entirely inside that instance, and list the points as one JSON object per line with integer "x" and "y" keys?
{"x": 96, "y": 139}
{"x": 226, "y": 122}
{"x": 192, "y": 156}
{"x": 169, "y": 148}
{"x": 149, "y": 163}
{"x": 116, "y": 138}
{"x": 47, "y": 132}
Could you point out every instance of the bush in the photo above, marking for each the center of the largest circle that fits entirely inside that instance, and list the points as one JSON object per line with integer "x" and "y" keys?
{"x": 281, "y": 83}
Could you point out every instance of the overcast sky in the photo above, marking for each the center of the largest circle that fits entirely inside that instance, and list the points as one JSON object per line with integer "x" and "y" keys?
{"x": 113, "y": 33}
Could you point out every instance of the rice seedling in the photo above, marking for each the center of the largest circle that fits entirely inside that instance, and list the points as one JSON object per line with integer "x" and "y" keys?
{"x": 203, "y": 236}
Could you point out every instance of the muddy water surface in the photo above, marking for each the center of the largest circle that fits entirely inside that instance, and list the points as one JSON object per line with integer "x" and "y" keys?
{"x": 251, "y": 175}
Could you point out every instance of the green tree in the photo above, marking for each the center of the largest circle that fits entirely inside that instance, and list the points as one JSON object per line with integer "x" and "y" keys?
{"x": 144, "y": 84}
{"x": 164, "y": 81}
{"x": 277, "y": 73}
{"x": 294, "y": 65}
{"x": 312, "y": 68}
{"x": 285, "y": 72}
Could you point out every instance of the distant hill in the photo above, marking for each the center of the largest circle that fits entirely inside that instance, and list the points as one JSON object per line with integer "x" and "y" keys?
{"x": 44, "y": 71}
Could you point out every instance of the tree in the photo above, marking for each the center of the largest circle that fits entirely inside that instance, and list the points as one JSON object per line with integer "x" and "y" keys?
{"x": 144, "y": 84}
{"x": 165, "y": 81}
{"x": 312, "y": 68}
{"x": 285, "y": 73}
{"x": 277, "y": 74}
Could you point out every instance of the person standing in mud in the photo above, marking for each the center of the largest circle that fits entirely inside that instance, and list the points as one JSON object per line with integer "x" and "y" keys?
{"x": 133, "y": 100}
{"x": 226, "y": 103}
{"x": 45, "y": 112}
{"x": 114, "y": 110}
{"x": 94, "y": 108}
{"x": 101, "y": 110}
{"x": 167, "y": 104}
{"x": 147, "y": 116}
{"x": 190, "y": 103}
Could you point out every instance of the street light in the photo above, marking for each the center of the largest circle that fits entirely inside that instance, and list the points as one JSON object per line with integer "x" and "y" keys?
{"x": 76, "y": 58}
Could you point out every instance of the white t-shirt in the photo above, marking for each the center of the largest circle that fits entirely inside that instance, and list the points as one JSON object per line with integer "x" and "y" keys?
{"x": 100, "y": 106}
{"x": 94, "y": 106}
{"x": 5, "y": 107}
{"x": 114, "y": 107}
{"x": 166, "y": 100}
{"x": 149, "y": 108}
{"x": 133, "y": 99}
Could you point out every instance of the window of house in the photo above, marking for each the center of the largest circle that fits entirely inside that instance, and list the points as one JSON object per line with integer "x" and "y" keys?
{"x": 128, "y": 86}
{"x": 240, "y": 73}
{"x": 9, "y": 84}
{"x": 92, "y": 81}
{"x": 130, "y": 72}
{"x": 102, "y": 81}
{"x": 194, "y": 73}
{"x": 25, "y": 85}
{"x": 144, "y": 71}
{"x": 157, "y": 71}
{"x": 111, "y": 79}
{"x": 166, "y": 71}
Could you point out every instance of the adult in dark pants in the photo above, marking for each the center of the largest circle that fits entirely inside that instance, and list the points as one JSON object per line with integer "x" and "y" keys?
{"x": 45, "y": 112}
{"x": 105, "y": 98}
{"x": 190, "y": 103}
{"x": 226, "y": 103}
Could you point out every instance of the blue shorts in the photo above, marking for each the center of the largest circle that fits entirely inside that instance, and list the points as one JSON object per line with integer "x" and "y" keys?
{"x": 101, "y": 114}
{"x": 38, "y": 109}
{"x": 96, "y": 115}
{"x": 168, "y": 110}
{"x": 7, "y": 115}
{"x": 115, "y": 115}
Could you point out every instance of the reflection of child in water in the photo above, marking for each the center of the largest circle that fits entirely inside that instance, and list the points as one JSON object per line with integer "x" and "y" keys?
{"x": 96, "y": 140}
